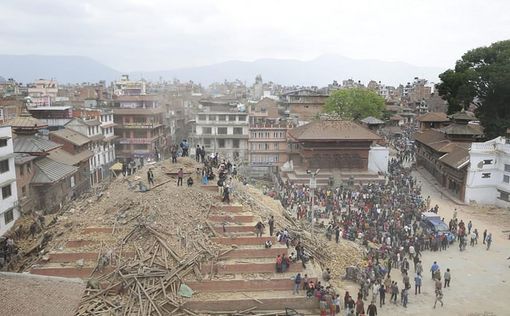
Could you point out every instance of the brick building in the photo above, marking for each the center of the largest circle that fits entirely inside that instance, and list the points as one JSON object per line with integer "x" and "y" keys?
{"x": 139, "y": 127}
{"x": 305, "y": 104}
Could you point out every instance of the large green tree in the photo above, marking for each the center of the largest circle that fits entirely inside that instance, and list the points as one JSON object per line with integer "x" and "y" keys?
{"x": 355, "y": 103}
{"x": 481, "y": 77}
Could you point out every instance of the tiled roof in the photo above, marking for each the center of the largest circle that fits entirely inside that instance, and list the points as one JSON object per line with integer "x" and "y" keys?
{"x": 72, "y": 136}
{"x": 20, "y": 158}
{"x": 433, "y": 117}
{"x": 436, "y": 140}
{"x": 396, "y": 117}
{"x": 25, "y": 121}
{"x": 371, "y": 120}
{"x": 463, "y": 116}
{"x": 456, "y": 158}
{"x": 332, "y": 130}
{"x": 463, "y": 129}
{"x": 28, "y": 294}
{"x": 33, "y": 144}
{"x": 50, "y": 171}
{"x": 63, "y": 156}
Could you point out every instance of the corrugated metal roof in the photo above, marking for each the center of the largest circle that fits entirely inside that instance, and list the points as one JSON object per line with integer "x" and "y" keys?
{"x": 63, "y": 156}
{"x": 72, "y": 136}
{"x": 33, "y": 144}
{"x": 371, "y": 120}
{"x": 23, "y": 158}
{"x": 50, "y": 171}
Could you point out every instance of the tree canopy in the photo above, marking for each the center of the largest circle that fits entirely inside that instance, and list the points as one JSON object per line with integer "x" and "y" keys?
{"x": 481, "y": 78}
{"x": 355, "y": 103}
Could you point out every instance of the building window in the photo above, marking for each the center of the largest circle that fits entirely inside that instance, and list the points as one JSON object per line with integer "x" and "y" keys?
{"x": 4, "y": 165}
{"x": 222, "y": 131}
{"x": 486, "y": 175}
{"x": 506, "y": 179}
{"x": 242, "y": 118}
{"x": 222, "y": 117}
{"x": 505, "y": 196}
{"x": 6, "y": 191}
{"x": 3, "y": 142}
{"x": 221, "y": 143}
{"x": 207, "y": 130}
{"x": 8, "y": 216}
{"x": 275, "y": 146}
{"x": 488, "y": 162}
{"x": 201, "y": 117}
{"x": 235, "y": 143}
{"x": 232, "y": 118}
{"x": 238, "y": 131}
{"x": 507, "y": 168}
{"x": 207, "y": 143}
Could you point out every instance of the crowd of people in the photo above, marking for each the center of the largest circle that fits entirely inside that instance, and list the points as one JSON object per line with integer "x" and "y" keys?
{"x": 386, "y": 217}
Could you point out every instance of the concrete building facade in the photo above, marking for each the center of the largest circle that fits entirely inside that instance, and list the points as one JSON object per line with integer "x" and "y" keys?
{"x": 9, "y": 211}
{"x": 488, "y": 174}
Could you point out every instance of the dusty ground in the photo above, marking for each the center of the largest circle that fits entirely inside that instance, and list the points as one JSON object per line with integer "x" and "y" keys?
{"x": 480, "y": 279}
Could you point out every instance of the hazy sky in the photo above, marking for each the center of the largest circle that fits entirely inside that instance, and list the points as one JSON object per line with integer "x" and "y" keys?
{"x": 163, "y": 34}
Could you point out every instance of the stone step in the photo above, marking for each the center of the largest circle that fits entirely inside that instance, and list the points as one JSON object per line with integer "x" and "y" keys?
{"x": 235, "y": 229}
{"x": 242, "y": 285}
{"x": 255, "y": 253}
{"x": 230, "y": 208}
{"x": 235, "y": 268}
{"x": 243, "y": 240}
{"x": 231, "y": 218}
{"x": 68, "y": 272}
{"x": 276, "y": 303}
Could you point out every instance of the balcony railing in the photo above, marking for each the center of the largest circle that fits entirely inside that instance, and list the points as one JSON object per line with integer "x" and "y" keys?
{"x": 137, "y": 140}
{"x": 139, "y": 125}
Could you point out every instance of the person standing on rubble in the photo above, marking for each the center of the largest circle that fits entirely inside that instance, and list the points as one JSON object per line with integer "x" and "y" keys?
{"x": 150, "y": 177}
{"x": 271, "y": 225}
{"x": 180, "y": 175}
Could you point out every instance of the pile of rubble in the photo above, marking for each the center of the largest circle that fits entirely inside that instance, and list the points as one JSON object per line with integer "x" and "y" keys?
{"x": 156, "y": 240}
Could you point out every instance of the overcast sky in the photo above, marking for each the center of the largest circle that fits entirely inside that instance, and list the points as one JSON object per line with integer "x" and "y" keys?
{"x": 163, "y": 34}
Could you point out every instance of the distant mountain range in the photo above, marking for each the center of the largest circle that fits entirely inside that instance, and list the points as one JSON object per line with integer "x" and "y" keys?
{"x": 320, "y": 71}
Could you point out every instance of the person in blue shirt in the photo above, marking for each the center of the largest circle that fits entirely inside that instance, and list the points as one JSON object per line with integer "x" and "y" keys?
{"x": 434, "y": 268}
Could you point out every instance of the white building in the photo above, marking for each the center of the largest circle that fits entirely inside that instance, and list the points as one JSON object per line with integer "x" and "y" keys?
{"x": 222, "y": 131}
{"x": 488, "y": 174}
{"x": 107, "y": 151}
{"x": 9, "y": 211}
{"x": 91, "y": 128}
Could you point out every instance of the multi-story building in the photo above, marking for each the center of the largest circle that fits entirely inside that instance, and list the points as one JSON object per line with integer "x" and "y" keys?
{"x": 106, "y": 155}
{"x": 55, "y": 117}
{"x": 223, "y": 128}
{"x": 488, "y": 173}
{"x": 305, "y": 104}
{"x": 124, "y": 86}
{"x": 9, "y": 210}
{"x": 91, "y": 128}
{"x": 45, "y": 184}
{"x": 43, "y": 92}
{"x": 74, "y": 152}
{"x": 268, "y": 143}
{"x": 140, "y": 127}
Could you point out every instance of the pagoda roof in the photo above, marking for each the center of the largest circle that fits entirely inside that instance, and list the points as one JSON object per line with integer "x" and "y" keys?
{"x": 332, "y": 130}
